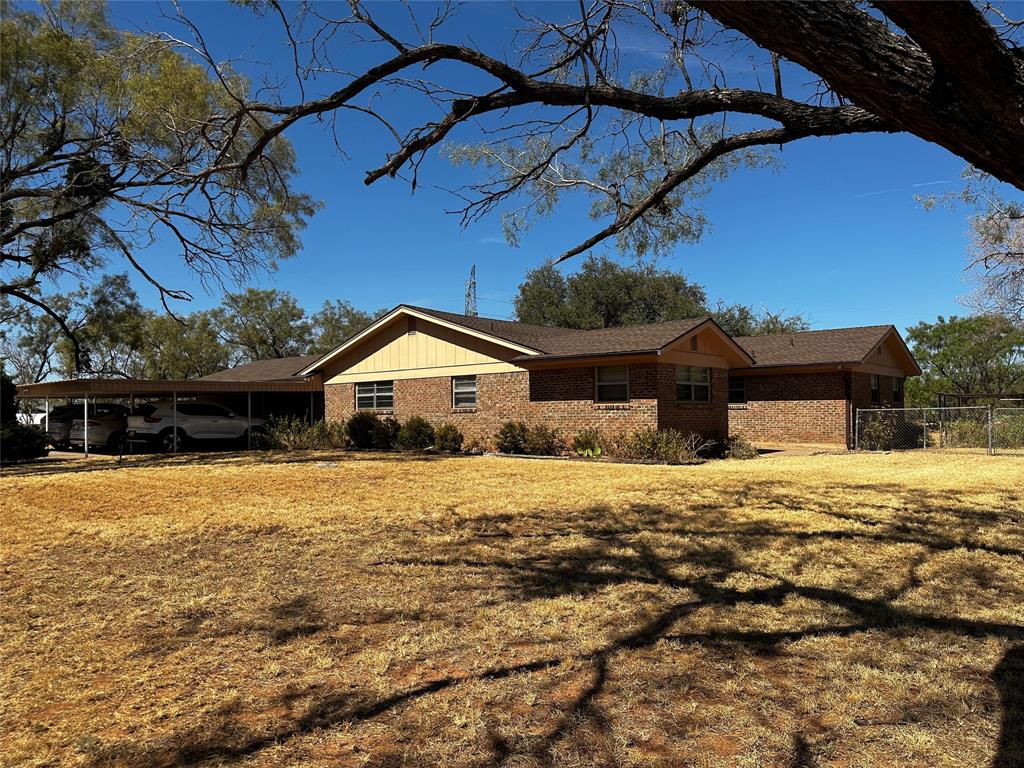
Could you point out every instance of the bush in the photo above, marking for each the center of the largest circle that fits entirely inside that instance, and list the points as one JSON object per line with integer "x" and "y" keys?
{"x": 878, "y": 433}
{"x": 366, "y": 429}
{"x": 448, "y": 438}
{"x": 360, "y": 429}
{"x": 738, "y": 448}
{"x": 1008, "y": 430}
{"x": 415, "y": 435}
{"x": 20, "y": 442}
{"x": 965, "y": 433}
{"x": 542, "y": 441}
{"x": 8, "y": 402}
{"x": 667, "y": 446}
{"x": 385, "y": 433}
{"x": 511, "y": 437}
{"x": 587, "y": 443}
{"x": 291, "y": 433}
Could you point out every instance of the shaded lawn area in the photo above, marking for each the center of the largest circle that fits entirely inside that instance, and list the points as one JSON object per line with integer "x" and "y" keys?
{"x": 384, "y": 611}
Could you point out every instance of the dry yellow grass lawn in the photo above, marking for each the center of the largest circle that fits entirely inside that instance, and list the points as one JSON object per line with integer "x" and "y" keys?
{"x": 383, "y": 611}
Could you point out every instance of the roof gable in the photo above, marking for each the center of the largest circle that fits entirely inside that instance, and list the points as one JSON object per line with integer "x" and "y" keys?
{"x": 836, "y": 346}
{"x": 632, "y": 340}
{"x": 445, "y": 319}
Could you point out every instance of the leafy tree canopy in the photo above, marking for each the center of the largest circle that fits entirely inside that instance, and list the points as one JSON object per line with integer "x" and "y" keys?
{"x": 111, "y": 140}
{"x": 336, "y": 321}
{"x": 981, "y": 354}
{"x": 604, "y": 293}
{"x": 121, "y": 339}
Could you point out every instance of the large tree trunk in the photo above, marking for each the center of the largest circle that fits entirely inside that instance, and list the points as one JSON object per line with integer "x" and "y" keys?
{"x": 950, "y": 80}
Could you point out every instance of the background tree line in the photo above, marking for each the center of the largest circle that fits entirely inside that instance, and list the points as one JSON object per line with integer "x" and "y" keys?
{"x": 120, "y": 338}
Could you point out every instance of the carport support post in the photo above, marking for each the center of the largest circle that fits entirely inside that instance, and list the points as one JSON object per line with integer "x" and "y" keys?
{"x": 248, "y": 428}
{"x": 46, "y": 417}
{"x": 86, "y": 424}
{"x": 174, "y": 422}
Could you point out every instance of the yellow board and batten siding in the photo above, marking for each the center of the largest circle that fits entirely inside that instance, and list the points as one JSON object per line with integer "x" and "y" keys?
{"x": 413, "y": 348}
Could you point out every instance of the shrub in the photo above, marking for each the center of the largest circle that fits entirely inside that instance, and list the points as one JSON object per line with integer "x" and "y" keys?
{"x": 8, "y": 402}
{"x": 448, "y": 438}
{"x": 511, "y": 437}
{"x": 878, "y": 433}
{"x": 542, "y": 441}
{"x": 965, "y": 433}
{"x": 385, "y": 433}
{"x": 668, "y": 446}
{"x": 1008, "y": 430}
{"x": 587, "y": 443}
{"x": 738, "y": 447}
{"x": 361, "y": 429}
{"x": 291, "y": 433}
{"x": 415, "y": 435}
{"x": 20, "y": 442}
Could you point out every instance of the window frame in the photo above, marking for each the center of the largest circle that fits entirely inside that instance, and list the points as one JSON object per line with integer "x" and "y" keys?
{"x": 897, "y": 389}
{"x": 376, "y": 395}
{"x": 743, "y": 383}
{"x": 598, "y": 400}
{"x": 692, "y": 383}
{"x": 875, "y": 385}
{"x": 456, "y": 393}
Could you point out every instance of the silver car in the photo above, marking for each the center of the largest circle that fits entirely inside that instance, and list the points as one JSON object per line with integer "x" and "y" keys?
{"x": 106, "y": 427}
{"x": 59, "y": 422}
{"x": 169, "y": 429}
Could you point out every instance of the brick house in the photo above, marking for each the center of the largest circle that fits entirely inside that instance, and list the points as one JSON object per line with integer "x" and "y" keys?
{"x": 478, "y": 373}
{"x": 806, "y": 387}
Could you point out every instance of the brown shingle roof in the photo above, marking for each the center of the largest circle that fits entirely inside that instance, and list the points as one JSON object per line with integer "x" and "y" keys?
{"x": 618, "y": 341}
{"x": 568, "y": 342}
{"x": 264, "y": 370}
{"x": 839, "y": 345}
{"x": 532, "y": 336}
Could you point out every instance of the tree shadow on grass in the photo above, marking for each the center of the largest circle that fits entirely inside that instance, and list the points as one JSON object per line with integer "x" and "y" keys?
{"x": 198, "y": 459}
{"x": 1008, "y": 677}
{"x": 708, "y": 549}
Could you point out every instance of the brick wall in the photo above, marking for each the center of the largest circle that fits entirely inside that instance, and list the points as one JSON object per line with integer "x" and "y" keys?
{"x": 561, "y": 398}
{"x": 710, "y": 419}
{"x": 795, "y": 408}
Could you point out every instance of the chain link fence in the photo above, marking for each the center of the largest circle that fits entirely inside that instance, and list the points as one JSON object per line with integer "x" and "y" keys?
{"x": 977, "y": 427}
{"x": 1008, "y": 430}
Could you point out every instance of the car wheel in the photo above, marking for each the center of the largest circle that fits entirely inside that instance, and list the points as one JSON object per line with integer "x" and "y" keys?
{"x": 171, "y": 441}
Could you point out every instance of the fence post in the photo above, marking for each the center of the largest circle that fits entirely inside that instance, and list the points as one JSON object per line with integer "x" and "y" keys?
{"x": 991, "y": 447}
{"x": 924, "y": 427}
{"x": 856, "y": 429}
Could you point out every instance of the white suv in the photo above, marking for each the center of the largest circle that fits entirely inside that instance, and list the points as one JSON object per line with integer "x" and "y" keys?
{"x": 155, "y": 423}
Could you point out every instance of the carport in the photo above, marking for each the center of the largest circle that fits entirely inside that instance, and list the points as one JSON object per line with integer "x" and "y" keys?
{"x": 91, "y": 390}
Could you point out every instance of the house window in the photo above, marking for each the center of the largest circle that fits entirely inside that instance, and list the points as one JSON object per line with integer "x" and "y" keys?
{"x": 464, "y": 391}
{"x": 612, "y": 384}
{"x": 897, "y": 389}
{"x": 374, "y": 395}
{"x": 693, "y": 384}
{"x": 738, "y": 389}
{"x": 876, "y": 392}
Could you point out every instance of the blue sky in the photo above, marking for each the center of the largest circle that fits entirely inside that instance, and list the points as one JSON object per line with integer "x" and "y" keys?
{"x": 834, "y": 235}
